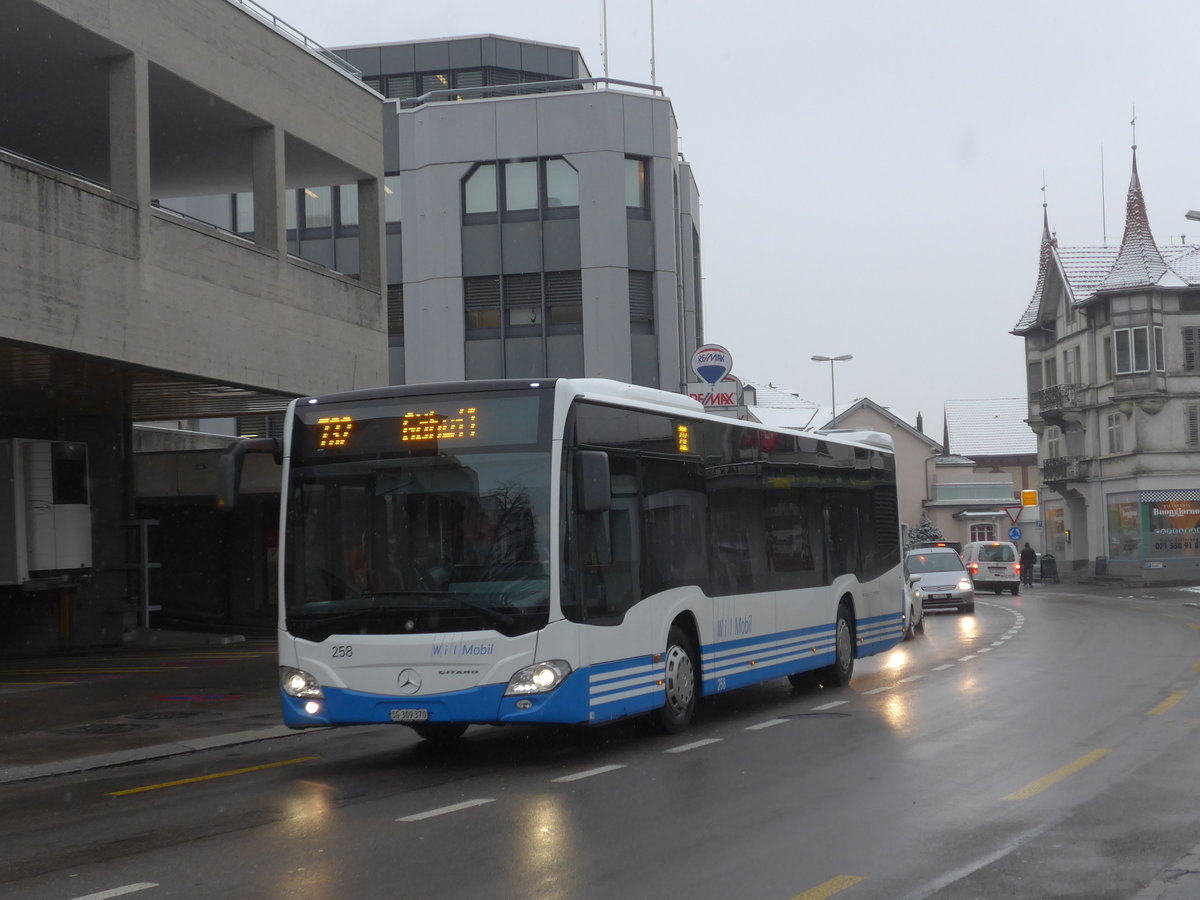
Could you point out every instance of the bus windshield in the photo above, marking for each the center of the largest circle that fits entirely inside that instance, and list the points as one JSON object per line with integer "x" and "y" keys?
{"x": 442, "y": 537}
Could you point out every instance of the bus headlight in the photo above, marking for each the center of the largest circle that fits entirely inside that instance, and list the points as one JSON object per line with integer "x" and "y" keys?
{"x": 540, "y": 678}
{"x": 298, "y": 683}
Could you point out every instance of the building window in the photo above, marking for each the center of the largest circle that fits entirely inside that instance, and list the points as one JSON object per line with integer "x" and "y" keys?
{"x": 1193, "y": 425}
{"x": 562, "y": 184}
{"x": 522, "y": 304}
{"x": 1053, "y": 442}
{"x": 395, "y": 310}
{"x": 1071, "y": 365}
{"x": 1191, "y": 349}
{"x": 348, "y": 205}
{"x": 1114, "y": 433}
{"x": 391, "y": 199}
{"x": 1108, "y": 358}
{"x": 401, "y": 86}
{"x": 434, "y": 81}
{"x": 1132, "y": 350}
{"x": 1160, "y": 352}
{"x": 637, "y": 191}
{"x": 243, "y": 214}
{"x": 479, "y": 190}
{"x": 520, "y": 186}
{"x": 1051, "y": 367}
{"x": 481, "y": 299}
{"x": 318, "y": 207}
{"x": 1034, "y": 377}
{"x": 641, "y": 300}
{"x": 525, "y": 185}
{"x": 983, "y": 531}
{"x": 564, "y": 302}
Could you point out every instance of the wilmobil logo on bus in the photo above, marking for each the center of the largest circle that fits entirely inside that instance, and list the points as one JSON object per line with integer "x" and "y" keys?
{"x": 732, "y": 626}
{"x": 461, "y": 648}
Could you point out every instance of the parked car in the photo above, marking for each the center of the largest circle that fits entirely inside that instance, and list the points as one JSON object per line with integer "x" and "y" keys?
{"x": 936, "y": 578}
{"x": 993, "y": 564}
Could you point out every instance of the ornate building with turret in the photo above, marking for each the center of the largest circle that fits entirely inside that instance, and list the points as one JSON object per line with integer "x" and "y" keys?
{"x": 1112, "y": 350}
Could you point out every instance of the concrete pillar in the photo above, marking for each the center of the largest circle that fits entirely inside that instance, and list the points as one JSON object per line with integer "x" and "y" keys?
{"x": 129, "y": 128}
{"x": 372, "y": 256}
{"x": 270, "y": 210}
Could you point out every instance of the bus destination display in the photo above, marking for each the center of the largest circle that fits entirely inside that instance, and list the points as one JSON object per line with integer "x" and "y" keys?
{"x": 417, "y": 425}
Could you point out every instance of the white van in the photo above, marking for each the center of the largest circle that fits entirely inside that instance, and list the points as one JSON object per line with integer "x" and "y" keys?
{"x": 993, "y": 564}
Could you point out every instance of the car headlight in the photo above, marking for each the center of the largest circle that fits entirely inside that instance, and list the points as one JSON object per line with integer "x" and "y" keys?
{"x": 540, "y": 678}
{"x": 298, "y": 683}
{"x": 964, "y": 584}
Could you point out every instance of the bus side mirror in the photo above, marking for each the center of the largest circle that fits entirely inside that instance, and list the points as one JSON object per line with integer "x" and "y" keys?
{"x": 593, "y": 489}
{"x": 229, "y": 471}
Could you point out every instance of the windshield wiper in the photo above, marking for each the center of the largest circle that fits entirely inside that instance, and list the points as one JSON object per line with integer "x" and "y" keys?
{"x": 494, "y": 614}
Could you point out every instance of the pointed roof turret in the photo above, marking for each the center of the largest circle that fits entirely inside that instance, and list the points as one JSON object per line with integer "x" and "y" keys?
{"x": 1049, "y": 243}
{"x": 1139, "y": 262}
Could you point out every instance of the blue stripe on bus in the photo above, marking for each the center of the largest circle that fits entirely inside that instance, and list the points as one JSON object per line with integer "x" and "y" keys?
{"x": 610, "y": 690}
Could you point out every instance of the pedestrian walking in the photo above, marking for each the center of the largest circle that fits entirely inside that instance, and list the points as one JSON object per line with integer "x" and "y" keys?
{"x": 1028, "y": 561}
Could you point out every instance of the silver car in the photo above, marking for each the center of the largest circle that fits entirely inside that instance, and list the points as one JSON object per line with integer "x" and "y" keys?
{"x": 937, "y": 579}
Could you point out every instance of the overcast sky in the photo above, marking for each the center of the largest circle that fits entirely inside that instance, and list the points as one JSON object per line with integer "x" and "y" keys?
{"x": 871, "y": 172}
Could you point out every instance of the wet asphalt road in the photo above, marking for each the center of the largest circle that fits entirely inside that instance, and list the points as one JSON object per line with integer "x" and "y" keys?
{"x": 1048, "y": 746}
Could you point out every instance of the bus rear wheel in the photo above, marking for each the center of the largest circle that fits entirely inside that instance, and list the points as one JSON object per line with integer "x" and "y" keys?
{"x": 679, "y": 682}
{"x": 843, "y": 661}
{"x": 440, "y": 732}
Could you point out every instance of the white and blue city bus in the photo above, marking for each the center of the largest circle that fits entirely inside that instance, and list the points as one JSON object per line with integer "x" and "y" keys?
{"x": 569, "y": 551}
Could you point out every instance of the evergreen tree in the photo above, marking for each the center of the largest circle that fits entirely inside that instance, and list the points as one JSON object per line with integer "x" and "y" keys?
{"x": 925, "y": 530}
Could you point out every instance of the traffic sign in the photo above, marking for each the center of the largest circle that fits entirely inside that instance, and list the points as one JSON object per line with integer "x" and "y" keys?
{"x": 1014, "y": 513}
{"x": 1014, "y": 533}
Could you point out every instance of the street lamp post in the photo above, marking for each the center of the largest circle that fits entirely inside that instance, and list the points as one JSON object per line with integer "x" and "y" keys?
{"x": 832, "y": 387}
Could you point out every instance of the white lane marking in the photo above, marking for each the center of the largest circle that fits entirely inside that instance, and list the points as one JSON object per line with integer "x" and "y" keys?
{"x": 984, "y": 650}
{"x": 767, "y": 724}
{"x": 911, "y": 678}
{"x": 692, "y": 746}
{"x": 878, "y": 690}
{"x": 120, "y": 891}
{"x": 830, "y": 705}
{"x": 943, "y": 666}
{"x": 999, "y": 642}
{"x": 441, "y": 811}
{"x": 965, "y": 658}
{"x": 588, "y": 773}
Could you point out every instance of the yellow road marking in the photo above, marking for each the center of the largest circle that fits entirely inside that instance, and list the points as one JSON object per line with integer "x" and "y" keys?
{"x": 1193, "y": 626}
{"x": 1041, "y": 784}
{"x": 1196, "y": 667}
{"x": 1167, "y": 704}
{"x": 830, "y": 887}
{"x": 167, "y": 784}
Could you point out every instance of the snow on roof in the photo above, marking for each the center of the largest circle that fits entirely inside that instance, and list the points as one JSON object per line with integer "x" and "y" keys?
{"x": 977, "y": 428}
{"x": 1138, "y": 262}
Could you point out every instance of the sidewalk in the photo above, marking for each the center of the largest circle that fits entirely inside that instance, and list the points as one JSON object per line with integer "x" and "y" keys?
{"x": 161, "y": 694}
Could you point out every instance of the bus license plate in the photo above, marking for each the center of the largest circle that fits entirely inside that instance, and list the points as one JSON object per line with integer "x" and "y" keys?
{"x": 410, "y": 715}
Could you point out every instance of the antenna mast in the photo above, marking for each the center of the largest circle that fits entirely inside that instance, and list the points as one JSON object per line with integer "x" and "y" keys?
{"x": 1103, "y": 205}
{"x": 652, "y": 81}
{"x": 604, "y": 52}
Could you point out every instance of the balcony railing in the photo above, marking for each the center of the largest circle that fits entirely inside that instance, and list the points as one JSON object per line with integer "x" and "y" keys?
{"x": 1060, "y": 396}
{"x": 1064, "y": 468}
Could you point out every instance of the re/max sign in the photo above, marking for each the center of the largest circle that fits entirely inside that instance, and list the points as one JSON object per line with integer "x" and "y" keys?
{"x": 716, "y": 398}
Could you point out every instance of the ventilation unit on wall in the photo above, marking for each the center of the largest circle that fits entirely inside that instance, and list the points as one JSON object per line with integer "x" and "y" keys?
{"x": 45, "y": 511}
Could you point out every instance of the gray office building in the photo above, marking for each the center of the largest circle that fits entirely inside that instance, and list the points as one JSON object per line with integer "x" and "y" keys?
{"x": 548, "y": 225}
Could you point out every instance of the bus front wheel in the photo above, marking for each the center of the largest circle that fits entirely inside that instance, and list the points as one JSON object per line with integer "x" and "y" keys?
{"x": 679, "y": 682}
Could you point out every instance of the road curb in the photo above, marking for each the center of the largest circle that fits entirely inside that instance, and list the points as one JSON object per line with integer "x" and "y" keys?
{"x": 14, "y": 774}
